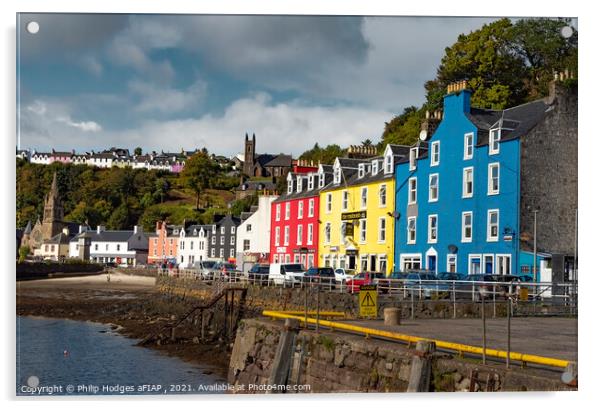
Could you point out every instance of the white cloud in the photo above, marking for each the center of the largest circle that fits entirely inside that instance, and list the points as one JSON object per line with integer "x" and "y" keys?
{"x": 154, "y": 98}
{"x": 86, "y": 126}
{"x": 280, "y": 127}
{"x": 92, "y": 65}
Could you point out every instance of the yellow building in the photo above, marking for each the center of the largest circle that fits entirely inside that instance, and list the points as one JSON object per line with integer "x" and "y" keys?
{"x": 357, "y": 213}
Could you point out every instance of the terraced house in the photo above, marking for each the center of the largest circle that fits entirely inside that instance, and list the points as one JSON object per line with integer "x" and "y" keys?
{"x": 468, "y": 193}
{"x": 357, "y": 213}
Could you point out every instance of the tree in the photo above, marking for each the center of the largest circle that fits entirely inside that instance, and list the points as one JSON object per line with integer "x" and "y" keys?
{"x": 366, "y": 142}
{"x": 119, "y": 218}
{"x": 404, "y": 128}
{"x": 199, "y": 173}
{"x": 325, "y": 155}
{"x": 138, "y": 151}
{"x": 23, "y": 253}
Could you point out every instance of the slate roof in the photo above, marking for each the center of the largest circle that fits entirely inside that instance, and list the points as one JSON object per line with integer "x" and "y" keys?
{"x": 107, "y": 235}
{"x": 27, "y": 228}
{"x": 257, "y": 185}
{"x": 60, "y": 238}
{"x": 190, "y": 229}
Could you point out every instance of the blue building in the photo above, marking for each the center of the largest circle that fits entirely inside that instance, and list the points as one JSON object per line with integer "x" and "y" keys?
{"x": 459, "y": 203}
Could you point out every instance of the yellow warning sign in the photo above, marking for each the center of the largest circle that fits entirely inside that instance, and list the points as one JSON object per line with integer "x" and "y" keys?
{"x": 368, "y": 301}
{"x": 523, "y": 295}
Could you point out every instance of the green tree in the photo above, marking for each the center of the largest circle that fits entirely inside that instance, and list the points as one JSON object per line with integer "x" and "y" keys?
{"x": 119, "y": 218}
{"x": 404, "y": 128}
{"x": 23, "y": 253}
{"x": 138, "y": 151}
{"x": 198, "y": 174}
{"x": 325, "y": 155}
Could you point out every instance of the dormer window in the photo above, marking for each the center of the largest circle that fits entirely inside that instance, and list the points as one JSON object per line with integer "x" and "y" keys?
{"x": 361, "y": 171}
{"x": 435, "y": 153}
{"x": 413, "y": 156}
{"x": 494, "y": 141}
{"x": 299, "y": 184}
{"x": 321, "y": 180}
{"x": 337, "y": 176}
{"x": 374, "y": 167}
{"x": 290, "y": 187}
{"x": 389, "y": 164}
{"x": 310, "y": 182}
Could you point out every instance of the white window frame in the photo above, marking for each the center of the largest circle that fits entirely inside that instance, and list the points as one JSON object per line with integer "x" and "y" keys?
{"x": 300, "y": 235}
{"x": 321, "y": 180}
{"x": 277, "y": 236}
{"x": 363, "y": 231}
{"x": 361, "y": 171}
{"x": 327, "y": 233}
{"x": 413, "y": 257}
{"x": 289, "y": 188}
{"x": 451, "y": 257}
{"x": 498, "y": 264}
{"x": 484, "y": 261}
{"x": 435, "y": 152}
{"x": 375, "y": 167}
{"x": 231, "y": 253}
{"x": 310, "y": 211}
{"x": 465, "y": 172}
{"x": 411, "y": 240}
{"x": 410, "y": 190}
{"x": 495, "y": 136}
{"x": 468, "y": 153}
{"x": 433, "y": 198}
{"x": 413, "y": 158}
{"x": 430, "y": 238}
{"x": 388, "y": 164}
{"x": 342, "y": 232}
{"x": 364, "y": 197}
{"x": 328, "y": 202}
{"x": 490, "y": 190}
{"x": 299, "y": 184}
{"x": 345, "y": 200}
{"x": 336, "y": 179}
{"x": 489, "y": 225}
{"x": 310, "y": 234}
{"x": 464, "y": 238}
{"x": 287, "y": 233}
{"x": 221, "y": 253}
{"x": 382, "y": 229}
{"x": 382, "y": 188}
{"x": 472, "y": 257}
{"x": 287, "y": 211}
{"x": 300, "y": 209}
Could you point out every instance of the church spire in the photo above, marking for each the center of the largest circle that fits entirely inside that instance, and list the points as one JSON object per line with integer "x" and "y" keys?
{"x": 54, "y": 190}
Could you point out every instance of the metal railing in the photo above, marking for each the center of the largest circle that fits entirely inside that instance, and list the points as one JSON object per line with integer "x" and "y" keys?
{"x": 412, "y": 291}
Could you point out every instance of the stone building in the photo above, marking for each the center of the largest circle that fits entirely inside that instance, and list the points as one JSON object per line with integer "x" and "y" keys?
{"x": 265, "y": 164}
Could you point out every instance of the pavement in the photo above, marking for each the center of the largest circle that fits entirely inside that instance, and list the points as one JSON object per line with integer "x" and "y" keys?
{"x": 553, "y": 337}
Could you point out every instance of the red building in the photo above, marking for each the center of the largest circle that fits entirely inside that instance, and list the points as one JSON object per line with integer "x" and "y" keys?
{"x": 163, "y": 244}
{"x": 294, "y": 220}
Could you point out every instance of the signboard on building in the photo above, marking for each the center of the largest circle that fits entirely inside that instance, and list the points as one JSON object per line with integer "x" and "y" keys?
{"x": 349, "y": 229}
{"x": 354, "y": 215}
{"x": 280, "y": 250}
{"x": 368, "y": 301}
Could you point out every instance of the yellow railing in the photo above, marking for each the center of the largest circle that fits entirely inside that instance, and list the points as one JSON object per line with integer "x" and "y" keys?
{"x": 515, "y": 356}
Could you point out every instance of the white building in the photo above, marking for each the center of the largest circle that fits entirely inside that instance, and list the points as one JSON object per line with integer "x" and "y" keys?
{"x": 101, "y": 160}
{"x": 120, "y": 247}
{"x": 253, "y": 235}
{"x": 41, "y": 158}
{"x": 192, "y": 246}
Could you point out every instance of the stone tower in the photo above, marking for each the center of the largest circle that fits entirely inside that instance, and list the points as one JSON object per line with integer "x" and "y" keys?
{"x": 249, "y": 155}
{"x": 52, "y": 223}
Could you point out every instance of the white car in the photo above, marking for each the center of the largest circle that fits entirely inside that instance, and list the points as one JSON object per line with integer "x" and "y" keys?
{"x": 341, "y": 276}
{"x": 286, "y": 273}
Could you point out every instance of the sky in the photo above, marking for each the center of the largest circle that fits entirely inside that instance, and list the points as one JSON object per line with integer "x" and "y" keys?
{"x": 172, "y": 82}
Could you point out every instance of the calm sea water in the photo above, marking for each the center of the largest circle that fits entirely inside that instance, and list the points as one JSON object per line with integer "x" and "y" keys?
{"x": 64, "y": 357}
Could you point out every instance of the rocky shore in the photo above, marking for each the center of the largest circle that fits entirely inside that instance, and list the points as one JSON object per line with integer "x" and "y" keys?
{"x": 131, "y": 305}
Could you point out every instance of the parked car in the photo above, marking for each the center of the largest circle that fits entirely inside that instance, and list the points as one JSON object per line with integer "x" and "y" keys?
{"x": 392, "y": 283}
{"x": 510, "y": 284}
{"x": 320, "y": 275}
{"x": 227, "y": 271}
{"x": 258, "y": 274}
{"x": 525, "y": 278}
{"x": 426, "y": 284}
{"x": 342, "y": 275}
{"x": 286, "y": 273}
{"x": 363, "y": 278}
{"x": 475, "y": 287}
{"x": 451, "y": 276}
{"x": 207, "y": 268}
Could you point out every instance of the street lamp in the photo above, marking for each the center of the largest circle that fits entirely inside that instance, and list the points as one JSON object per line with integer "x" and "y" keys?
{"x": 535, "y": 245}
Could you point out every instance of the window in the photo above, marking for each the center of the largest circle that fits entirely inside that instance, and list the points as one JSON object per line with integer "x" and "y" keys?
{"x": 297, "y": 259}
{"x": 232, "y": 240}
{"x": 213, "y": 252}
{"x": 468, "y": 145}
{"x": 222, "y": 230}
{"x": 411, "y": 230}
{"x": 345, "y": 199}
{"x": 118, "y": 247}
{"x": 364, "y": 198}
{"x": 300, "y": 210}
{"x": 107, "y": 246}
{"x": 364, "y": 263}
{"x": 289, "y": 189}
{"x": 311, "y": 208}
{"x": 382, "y": 263}
{"x": 191, "y": 245}
{"x": 493, "y": 185}
{"x": 494, "y": 141}
{"x": 321, "y": 180}
{"x": 277, "y": 236}
{"x": 337, "y": 175}
{"x": 435, "y": 153}
{"x": 249, "y": 227}
{"x": 222, "y": 240}
{"x": 488, "y": 264}
{"x": 467, "y": 182}
{"x": 327, "y": 233}
{"x": 310, "y": 182}
{"x": 213, "y": 228}
{"x": 287, "y": 211}
{"x": 287, "y": 258}
{"x": 432, "y": 226}
{"x": 299, "y": 234}
{"x": 278, "y": 212}
{"x": 374, "y": 167}
{"x": 342, "y": 232}
{"x": 231, "y": 253}
{"x": 382, "y": 195}
{"x": 503, "y": 264}
{"x": 412, "y": 186}
{"x": 413, "y": 156}
{"x": 299, "y": 184}
{"x": 389, "y": 164}
{"x": 233, "y": 230}
{"x": 310, "y": 234}
{"x": 452, "y": 261}
{"x": 286, "y": 235}
{"x": 363, "y": 230}
{"x": 361, "y": 171}
{"x": 246, "y": 245}
{"x": 434, "y": 187}
{"x": 329, "y": 203}
{"x": 382, "y": 229}
{"x": 466, "y": 227}
{"x": 213, "y": 240}
{"x": 493, "y": 223}
{"x": 221, "y": 253}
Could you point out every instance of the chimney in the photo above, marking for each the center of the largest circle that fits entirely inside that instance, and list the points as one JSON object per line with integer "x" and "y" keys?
{"x": 458, "y": 97}
{"x": 136, "y": 229}
{"x": 100, "y": 228}
{"x": 158, "y": 226}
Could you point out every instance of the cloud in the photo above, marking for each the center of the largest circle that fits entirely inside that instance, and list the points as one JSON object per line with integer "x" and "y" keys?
{"x": 92, "y": 65}
{"x": 86, "y": 126}
{"x": 291, "y": 127}
{"x": 153, "y": 98}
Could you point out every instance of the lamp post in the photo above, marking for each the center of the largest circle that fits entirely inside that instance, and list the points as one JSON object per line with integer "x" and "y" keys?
{"x": 535, "y": 245}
